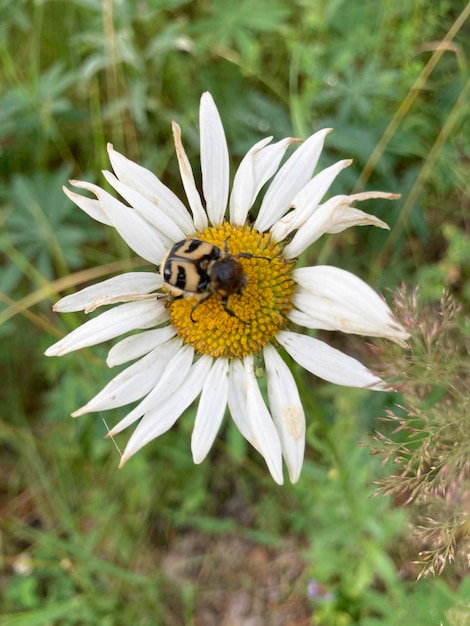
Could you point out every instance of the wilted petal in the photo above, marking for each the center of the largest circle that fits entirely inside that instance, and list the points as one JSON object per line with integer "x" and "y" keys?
{"x": 110, "y": 324}
{"x": 187, "y": 177}
{"x": 158, "y": 421}
{"x": 146, "y": 183}
{"x": 123, "y": 285}
{"x": 350, "y": 216}
{"x": 287, "y": 411}
{"x": 214, "y": 160}
{"x": 334, "y": 216}
{"x": 256, "y": 168}
{"x": 211, "y": 409}
{"x": 328, "y": 363}
{"x": 293, "y": 175}
{"x": 90, "y": 206}
{"x": 330, "y": 298}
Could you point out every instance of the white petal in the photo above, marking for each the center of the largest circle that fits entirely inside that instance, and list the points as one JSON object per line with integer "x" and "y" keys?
{"x": 237, "y": 400}
{"x": 211, "y": 409}
{"x": 170, "y": 381}
{"x": 128, "y": 297}
{"x": 132, "y": 227}
{"x": 313, "y": 229}
{"x": 345, "y": 217}
{"x": 90, "y": 206}
{"x": 214, "y": 160}
{"x": 257, "y": 167}
{"x": 110, "y": 324}
{"x": 134, "y": 382}
{"x": 163, "y": 223}
{"x": 158, "y": 421}
{"x": 261, "y": 424}
{"x": 122, "y": 285}
{"x": 187, "y": 177}
{"x": 287, "y": 411}
{"x": 290, "y": 179}
{"x": 330, "y": 298}
{"x": 328, "y": 363}
{"x": 244, "y": 184}
{"x": 334, "y": 216}
{"x": 146, "y": 183}
{"x": 306, "y": 201}
{"x": 136, "y": 346}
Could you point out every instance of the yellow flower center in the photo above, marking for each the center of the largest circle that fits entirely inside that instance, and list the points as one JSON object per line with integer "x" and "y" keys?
{"x": 257, "y": 313}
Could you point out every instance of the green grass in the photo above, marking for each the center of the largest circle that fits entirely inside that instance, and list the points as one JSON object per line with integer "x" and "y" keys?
{"x": 162, "y": 541}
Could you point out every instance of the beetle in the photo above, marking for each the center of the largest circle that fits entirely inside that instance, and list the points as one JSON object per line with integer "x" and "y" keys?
{"x": 195, "y": 268}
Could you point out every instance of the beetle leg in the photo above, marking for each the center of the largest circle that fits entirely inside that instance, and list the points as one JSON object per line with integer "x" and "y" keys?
{"x": 247, "y": 255}
{"x": 197, "y": 304}
{"x": 230, "y": 312}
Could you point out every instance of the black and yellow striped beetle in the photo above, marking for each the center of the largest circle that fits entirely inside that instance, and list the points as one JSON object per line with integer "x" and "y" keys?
{"x": 195, "y": 268}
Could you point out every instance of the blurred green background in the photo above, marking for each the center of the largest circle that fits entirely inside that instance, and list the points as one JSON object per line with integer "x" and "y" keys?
{"x": 162, "y": 541}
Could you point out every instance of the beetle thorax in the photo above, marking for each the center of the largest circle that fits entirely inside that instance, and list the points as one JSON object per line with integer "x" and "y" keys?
{"x": 227, "y": 276}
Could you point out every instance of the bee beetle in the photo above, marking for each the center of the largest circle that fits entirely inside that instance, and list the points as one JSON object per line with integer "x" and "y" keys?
{"x": 195, "y": 268}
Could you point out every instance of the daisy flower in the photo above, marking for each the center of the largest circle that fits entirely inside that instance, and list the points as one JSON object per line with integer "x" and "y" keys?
{"x": 204, "y": 335}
